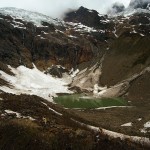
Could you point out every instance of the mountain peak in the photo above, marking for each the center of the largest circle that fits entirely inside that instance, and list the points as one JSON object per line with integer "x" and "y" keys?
{"x": 85, "y": 16}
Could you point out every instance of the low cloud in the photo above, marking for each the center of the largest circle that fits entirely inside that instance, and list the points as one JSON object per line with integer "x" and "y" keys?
{"x": 56, "y": 8}
{"x": 116, "y": 8}
{"x": 139, "y": 3}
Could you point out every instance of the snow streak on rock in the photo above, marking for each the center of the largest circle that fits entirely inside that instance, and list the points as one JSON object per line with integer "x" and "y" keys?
{"x": 111, "y": 134}
{"x": 18, "y": 115}
{"x": 127, "y": 124}
{"x": 57, "y": 113}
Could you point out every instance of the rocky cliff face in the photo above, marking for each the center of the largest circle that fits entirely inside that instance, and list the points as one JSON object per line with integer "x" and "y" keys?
{"x": 144, "y": 4}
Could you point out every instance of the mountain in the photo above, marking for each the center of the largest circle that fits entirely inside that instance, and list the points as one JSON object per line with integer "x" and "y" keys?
{"x": 90, "y": 18}
{"x": 100, "y": 56}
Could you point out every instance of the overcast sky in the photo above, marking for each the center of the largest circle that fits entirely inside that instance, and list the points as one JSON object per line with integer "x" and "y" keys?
{"x": 56, "y": 8}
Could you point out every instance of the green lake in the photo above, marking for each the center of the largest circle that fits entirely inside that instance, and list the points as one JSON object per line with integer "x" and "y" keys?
{"x": 89, "y": 102}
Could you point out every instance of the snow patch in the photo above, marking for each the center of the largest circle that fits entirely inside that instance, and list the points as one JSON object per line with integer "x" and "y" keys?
{"x": 13, "y": 112}
{"x": 133, "y": 31}
{"x": 71, "y": 36}
{"x": 139, "y": 119}
{"x": 97, "y": 89}
{"x": 57, "y": 31}
{"x": 146, "y": 127}
{"x": 41, "y": 37}
{"x": 33, "y": 82}
{"x": 147, "y": 124}
{"x": 57, "y": 113}
{"x": 44, "y": 32}
{"x": 18, "y": 115}
{"x": 115, "y": 30}
{"x": 142, "y": 34}
{"x": 91, "y": 11}
{"x": 74, "y": 73}
{"x": 82, "y": 71}
{"x": 113, "y": 107}
{"x": 143, "y": 130}
{"x": 127, "y": 124}
{"x": 80, "y": 27}
{"x": 18, "y": 26}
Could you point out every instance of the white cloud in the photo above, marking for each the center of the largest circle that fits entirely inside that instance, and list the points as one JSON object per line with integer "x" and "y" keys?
{"x": 56, "y": 8}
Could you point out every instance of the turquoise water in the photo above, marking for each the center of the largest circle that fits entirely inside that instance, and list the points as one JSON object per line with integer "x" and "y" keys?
{"x": 81, "y": 101}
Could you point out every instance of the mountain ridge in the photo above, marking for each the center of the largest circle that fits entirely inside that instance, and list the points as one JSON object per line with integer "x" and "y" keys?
{"x": 106, "y": 58}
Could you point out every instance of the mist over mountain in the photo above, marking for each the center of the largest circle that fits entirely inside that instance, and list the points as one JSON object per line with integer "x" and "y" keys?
{"x": 116, "y": 8}
{"x": 144, "y": 4}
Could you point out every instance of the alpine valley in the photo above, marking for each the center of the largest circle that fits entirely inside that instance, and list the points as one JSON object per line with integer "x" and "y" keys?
{"x": 80, "y": 83}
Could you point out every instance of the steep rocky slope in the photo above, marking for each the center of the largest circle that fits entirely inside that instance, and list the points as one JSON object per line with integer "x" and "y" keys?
{"x": 126, "y": 54}
{"x": 24, "y": 42}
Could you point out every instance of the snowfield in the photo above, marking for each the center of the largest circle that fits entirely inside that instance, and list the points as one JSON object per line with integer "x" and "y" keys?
{"x": 33, "y": 82}
{"x": 34, "y": 17}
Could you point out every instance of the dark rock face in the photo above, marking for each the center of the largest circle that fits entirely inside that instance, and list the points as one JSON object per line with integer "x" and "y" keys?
{"x": 144, "y": 4}
{"x": 87, "y": 17}
{"x": 57, "y": 71}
